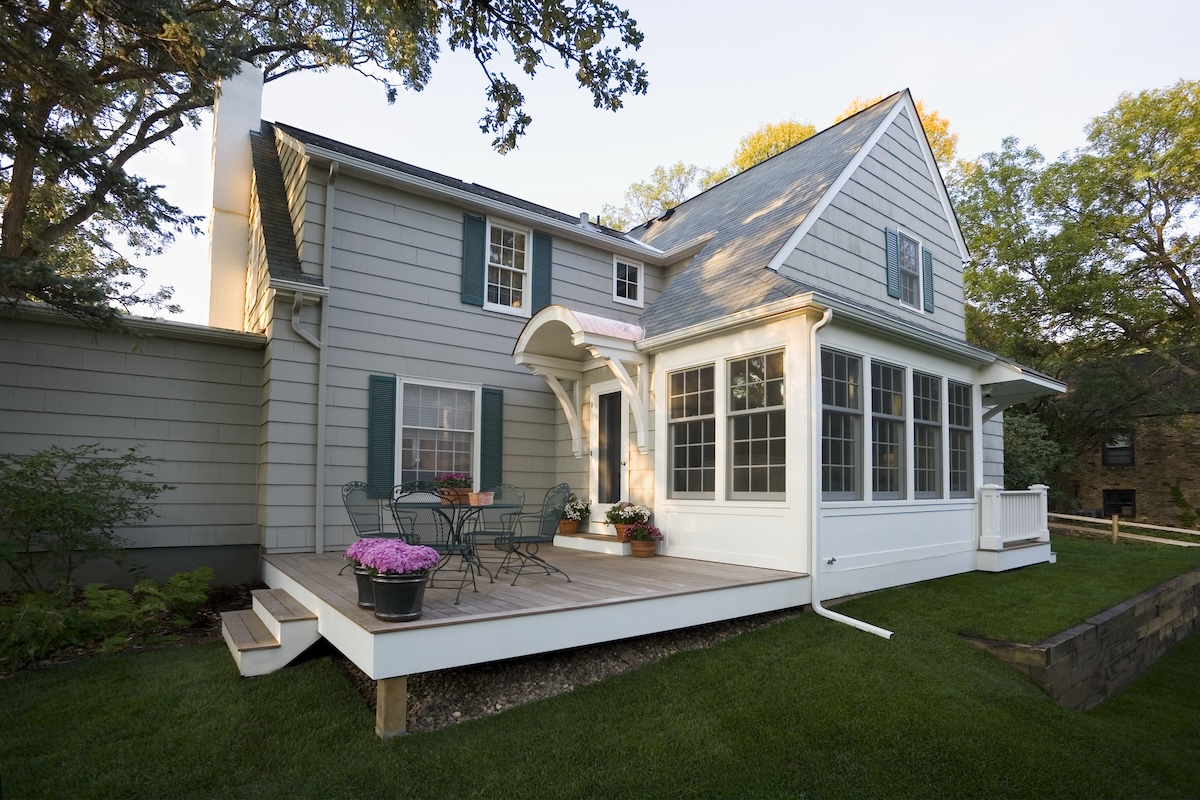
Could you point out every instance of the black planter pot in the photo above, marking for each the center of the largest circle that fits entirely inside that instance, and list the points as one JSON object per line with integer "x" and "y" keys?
{"x": 366, "y": 591}
{"x": 398, "y": 598}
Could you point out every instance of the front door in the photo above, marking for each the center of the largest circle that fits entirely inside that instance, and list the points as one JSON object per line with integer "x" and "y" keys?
{"x": 609, "y": 448}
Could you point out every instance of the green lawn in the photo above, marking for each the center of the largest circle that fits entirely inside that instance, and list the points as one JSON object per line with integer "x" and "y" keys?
{"x": 805, "y": 708}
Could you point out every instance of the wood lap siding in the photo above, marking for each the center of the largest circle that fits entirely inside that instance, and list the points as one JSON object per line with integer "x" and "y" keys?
{"x": 844, "y": 251}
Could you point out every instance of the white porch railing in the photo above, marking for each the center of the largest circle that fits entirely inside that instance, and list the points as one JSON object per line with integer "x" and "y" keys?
{"x": 1012, "y": 516}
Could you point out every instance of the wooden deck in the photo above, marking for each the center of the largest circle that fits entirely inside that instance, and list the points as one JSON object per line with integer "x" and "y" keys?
{"x": 608, "y": 598}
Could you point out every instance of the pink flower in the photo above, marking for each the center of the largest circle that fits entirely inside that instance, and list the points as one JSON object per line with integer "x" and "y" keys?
{"x": 396, "y": 557}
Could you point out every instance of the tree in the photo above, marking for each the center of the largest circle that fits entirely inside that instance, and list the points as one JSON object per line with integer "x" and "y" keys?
{"x": 86, "y": 86}
{"x": 646, "y": 200}
{"x": 937, "y": 128}
{"x": 769, "y": 139}
{"x": 1081, "y": 263}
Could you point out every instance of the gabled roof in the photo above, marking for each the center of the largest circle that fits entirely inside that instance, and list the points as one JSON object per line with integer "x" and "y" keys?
{"x": 753, "y": 216}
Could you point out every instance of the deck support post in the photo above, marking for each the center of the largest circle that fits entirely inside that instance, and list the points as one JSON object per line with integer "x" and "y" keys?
{"x": 391, "y": 706}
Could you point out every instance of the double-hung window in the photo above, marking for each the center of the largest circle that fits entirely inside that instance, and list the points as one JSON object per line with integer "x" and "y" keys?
{"x": 841, "y": 425}
{"x": 507, "y": 269}
{"x": 927, "y": 435}
{"x": 1118, "y": 451}
{"x": 887, "y": 431}
{"x": 627, "y": 282}
{"x": 757, "y": 427}
{"x": 437, "y": 430}
{"x": 693, "y": 431}
{"x": 960, "y": 411}
{"x": 910, "y": 272}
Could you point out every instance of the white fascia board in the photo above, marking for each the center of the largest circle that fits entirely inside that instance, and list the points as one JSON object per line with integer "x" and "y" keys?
{"x": 376, "y": 172}
{"x": 790, "y": 305}
{"x": 1004, "y": 371}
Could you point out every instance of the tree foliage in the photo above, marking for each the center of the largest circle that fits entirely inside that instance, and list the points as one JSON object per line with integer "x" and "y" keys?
{"x": 60, "y": 508}
{"x": 942, "y": 141}
{"x": 666, "y": 188}
{"x": 86, "y": 86}
{"x": 769, "y": 139}
{"x": 1081, "y": 263}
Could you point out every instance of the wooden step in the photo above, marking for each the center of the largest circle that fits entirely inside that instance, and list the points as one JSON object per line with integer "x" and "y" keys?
{"x": 245, "y": 631}
{"x": 281, "y": 605}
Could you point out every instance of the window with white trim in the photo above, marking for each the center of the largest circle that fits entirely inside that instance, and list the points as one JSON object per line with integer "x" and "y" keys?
{"x": 927, "y": 435}
{"x": 438, "y": 424}
{"x": 841, "y": 425}
{"x": 887, "y": 431}
{"x": 628, "y": 277}
{"x": 507, "y": 284}
{"x": 757, "y": 427}
{"x": 910, "y": 271}
{"x": 960, "y": 412}
{"x": 693, "y": 432}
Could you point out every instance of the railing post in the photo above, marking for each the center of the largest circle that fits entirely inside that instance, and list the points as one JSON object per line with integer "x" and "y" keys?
{"x": 1043, "y": 519}
{"x": 991, "y": 518}
{"x": 1116, "y": 527}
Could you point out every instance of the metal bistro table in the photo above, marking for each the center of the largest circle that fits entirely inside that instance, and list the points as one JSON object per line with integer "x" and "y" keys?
{"x": 449, "y": 536}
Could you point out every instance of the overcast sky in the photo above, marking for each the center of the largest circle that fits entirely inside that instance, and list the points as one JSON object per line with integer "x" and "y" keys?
{"x": 1035, "y": 70}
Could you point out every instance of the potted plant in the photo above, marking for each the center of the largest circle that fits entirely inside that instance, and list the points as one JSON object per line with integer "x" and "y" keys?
{"x": 624, "y": 514}
{"x": 398, "y": 576}
{"x": 643, "y": 538}
{"x": 355, "y": 554}
{"x": 575, "y": 512}
{"x": 454, "y": 487}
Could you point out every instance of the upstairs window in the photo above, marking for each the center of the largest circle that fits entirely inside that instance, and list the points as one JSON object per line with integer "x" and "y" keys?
{"x": 627, "y": 282}
{"x": 757, "y": 427}
{"x": 507, "y": 269}
{"x": 909, "y": 271}
{"x": 1118, "y": 451}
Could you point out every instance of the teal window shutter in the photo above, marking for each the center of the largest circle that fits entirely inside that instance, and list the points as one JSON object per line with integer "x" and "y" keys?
{"x": 927, "y": 278}
{"x": 893, "y": 262}
{"x": 491, "y": 438}
{"x": 474, "y": 258}
{"x": 381, "y": 435}
{"x": 543, "y": 250}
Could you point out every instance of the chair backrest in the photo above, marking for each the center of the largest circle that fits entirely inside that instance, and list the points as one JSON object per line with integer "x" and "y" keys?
{"x": 552, "y": 510}
{"x": 362, "y": 509}
{"x": 502, "y": 519}
{"x": 427, "y": 526}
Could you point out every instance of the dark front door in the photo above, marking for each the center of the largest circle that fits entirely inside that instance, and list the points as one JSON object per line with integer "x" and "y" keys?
{"x": 611, "y": 453}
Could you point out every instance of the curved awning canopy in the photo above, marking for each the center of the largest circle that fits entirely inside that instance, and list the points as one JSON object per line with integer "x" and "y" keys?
{"x": 559, "y": 343}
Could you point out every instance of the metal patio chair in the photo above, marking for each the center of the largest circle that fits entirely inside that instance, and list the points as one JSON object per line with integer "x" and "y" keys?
{"x": 427, "y": 519}
{"x": 364, "y": 510}
{"x": 490, "y": 526}
{"x": 531, "y": 531}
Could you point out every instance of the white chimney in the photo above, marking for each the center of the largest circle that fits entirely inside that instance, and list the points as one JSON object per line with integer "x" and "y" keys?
{"x": 238, "y": 111}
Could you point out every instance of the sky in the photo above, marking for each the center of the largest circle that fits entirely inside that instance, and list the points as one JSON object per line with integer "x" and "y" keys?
{"x": 1039, "y": 71}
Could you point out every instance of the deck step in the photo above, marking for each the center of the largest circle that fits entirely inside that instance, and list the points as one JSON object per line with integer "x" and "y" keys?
{"x": 271, "y": 634}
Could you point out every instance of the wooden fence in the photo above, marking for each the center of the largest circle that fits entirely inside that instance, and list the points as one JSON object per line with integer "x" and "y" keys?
{"x": 1115, "y": 524}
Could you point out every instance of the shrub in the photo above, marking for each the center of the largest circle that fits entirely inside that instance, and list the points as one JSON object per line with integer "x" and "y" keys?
{"x": 59, "y": 508}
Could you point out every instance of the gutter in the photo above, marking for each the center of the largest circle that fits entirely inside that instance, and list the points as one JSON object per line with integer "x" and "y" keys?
{"x": 814, "y": 488}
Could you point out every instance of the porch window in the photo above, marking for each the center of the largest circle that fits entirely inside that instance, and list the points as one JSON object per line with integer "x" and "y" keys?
{"x": 927, "y": 435}
{"x": 887, "y": 431}
{"x": 757, "y": 427}
{"x": 1118, "y": 451}
{"x": 693, "y": 431}
{"x": 627, "y": 282}
{"x": 961, "y": 412}
{"x": 841, "y": 425}
{"x": 507, "y": 269}
{"x": 437, "y": 433}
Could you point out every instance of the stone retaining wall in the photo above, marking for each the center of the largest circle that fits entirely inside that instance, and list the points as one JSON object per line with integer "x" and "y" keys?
{"x": 1089, "y": 663}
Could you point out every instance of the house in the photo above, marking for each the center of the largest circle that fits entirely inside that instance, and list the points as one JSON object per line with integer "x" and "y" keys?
{"x": 1150, "y": 471}
{"x": 778, "y": 366}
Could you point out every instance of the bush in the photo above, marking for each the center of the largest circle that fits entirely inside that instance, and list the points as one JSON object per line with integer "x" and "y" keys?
{"x": 59, "y": 508}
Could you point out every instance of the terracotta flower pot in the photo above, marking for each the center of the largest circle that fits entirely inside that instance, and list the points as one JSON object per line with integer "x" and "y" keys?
{"x": 620, "y": 531}
{"x": 568, "y": 527}
{"x": 456, "y": 495}
{"x": 644, "y": 549}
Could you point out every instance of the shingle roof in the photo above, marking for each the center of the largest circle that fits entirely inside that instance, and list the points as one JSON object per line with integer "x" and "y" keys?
{"x": 753, "y": 214}
{"x": 436, "y": 177}
{"x": 280, "y": 243}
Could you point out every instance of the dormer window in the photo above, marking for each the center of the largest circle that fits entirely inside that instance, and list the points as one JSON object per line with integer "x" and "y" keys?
{"x": 627, "y": 282}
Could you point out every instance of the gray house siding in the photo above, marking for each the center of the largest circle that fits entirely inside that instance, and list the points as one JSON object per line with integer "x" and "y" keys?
{"x": 180, "y": 394}
{"x": 844, "y": 250}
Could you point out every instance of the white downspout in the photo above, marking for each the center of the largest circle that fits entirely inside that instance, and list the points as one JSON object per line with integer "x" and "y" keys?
{"x": 814, "y": 486}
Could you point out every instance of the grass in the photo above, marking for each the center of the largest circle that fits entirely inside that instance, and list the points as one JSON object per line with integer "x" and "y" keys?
{"x": 805, "y": 708}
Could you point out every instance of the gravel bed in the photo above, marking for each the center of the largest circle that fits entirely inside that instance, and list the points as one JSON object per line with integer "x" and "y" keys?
{"x": 440, "y": 699}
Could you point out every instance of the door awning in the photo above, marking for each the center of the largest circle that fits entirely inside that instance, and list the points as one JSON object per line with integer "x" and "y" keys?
{"x": 559, "y": 344}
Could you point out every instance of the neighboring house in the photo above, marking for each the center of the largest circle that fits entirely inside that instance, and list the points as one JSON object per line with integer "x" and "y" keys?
{"x": 777, "y": 366}
{"x": 1150, "y": 472}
